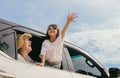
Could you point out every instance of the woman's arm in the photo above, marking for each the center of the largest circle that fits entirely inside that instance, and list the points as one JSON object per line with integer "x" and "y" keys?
{"x": 70, "y": 18}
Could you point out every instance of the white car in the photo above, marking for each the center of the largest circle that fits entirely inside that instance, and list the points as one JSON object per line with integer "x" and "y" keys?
{"x": 76, "y": 63}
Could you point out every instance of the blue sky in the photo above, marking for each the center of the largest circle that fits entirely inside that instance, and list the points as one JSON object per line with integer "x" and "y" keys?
{"x": 97, "y": 28}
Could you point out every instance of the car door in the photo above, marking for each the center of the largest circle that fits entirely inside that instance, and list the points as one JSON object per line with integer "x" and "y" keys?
{"x": 81, "y": 64}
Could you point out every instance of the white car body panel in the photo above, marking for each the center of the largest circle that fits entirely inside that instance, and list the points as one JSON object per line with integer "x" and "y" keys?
{"x": 25, "y": 70}
{"x": 77, "y": 75}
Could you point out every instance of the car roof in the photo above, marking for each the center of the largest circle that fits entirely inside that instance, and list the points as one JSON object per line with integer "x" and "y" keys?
{"x": 6, "y": 24}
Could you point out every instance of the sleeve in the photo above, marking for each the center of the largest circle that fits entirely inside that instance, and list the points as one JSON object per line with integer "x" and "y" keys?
{"x": 61, "y": 39}
{"x": 43, "y": 49}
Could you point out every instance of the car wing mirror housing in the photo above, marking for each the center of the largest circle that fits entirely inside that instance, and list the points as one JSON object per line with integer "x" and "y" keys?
{"x": 114, "y": 72}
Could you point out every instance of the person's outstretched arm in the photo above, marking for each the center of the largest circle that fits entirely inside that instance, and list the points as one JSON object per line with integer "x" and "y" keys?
{"x": 70, "y": 18}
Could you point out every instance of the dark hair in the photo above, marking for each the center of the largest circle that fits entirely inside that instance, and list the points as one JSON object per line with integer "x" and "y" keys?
{"x": 52, "y": 25}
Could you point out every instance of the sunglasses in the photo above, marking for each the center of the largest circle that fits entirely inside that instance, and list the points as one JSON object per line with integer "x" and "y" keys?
{"x": 50, "y": 28}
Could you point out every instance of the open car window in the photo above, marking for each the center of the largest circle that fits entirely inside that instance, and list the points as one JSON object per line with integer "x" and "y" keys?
{"x": 36, "y": 44}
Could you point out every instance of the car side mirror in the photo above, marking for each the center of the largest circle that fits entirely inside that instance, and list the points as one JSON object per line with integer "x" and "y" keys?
{"x": 114, "y": 72}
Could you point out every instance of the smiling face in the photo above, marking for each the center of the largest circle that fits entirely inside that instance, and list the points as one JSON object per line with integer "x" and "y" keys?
{"x": 52, "y": 31}
{"x": 27, "y": 44}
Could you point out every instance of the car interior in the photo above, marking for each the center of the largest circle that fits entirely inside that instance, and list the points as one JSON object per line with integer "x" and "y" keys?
{"x": 36, "y": 46}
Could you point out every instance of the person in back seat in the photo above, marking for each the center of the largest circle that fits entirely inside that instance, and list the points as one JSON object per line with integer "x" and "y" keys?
{"x": 51, "y": 52}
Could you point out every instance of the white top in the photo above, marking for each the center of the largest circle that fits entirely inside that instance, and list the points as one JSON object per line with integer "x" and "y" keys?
{"x": 53, "y": 50}
{"x": 29, "y": 60}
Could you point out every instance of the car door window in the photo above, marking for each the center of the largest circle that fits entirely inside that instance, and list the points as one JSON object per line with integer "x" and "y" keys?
{"x": 7, "y": 44}
{"x": 82, "y": 64}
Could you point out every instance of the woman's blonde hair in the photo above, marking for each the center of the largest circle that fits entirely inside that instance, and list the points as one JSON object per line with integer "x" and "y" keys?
{"x": 20, "y": 41}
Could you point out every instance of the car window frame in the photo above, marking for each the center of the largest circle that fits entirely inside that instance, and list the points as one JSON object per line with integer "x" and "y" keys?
{"x": 87, "y": 59}
{"x": 5, "y": 34}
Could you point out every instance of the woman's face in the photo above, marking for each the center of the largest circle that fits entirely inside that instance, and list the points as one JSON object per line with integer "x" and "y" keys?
{"x": 52, "y": 31}
{"x": 27, "y": 44}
